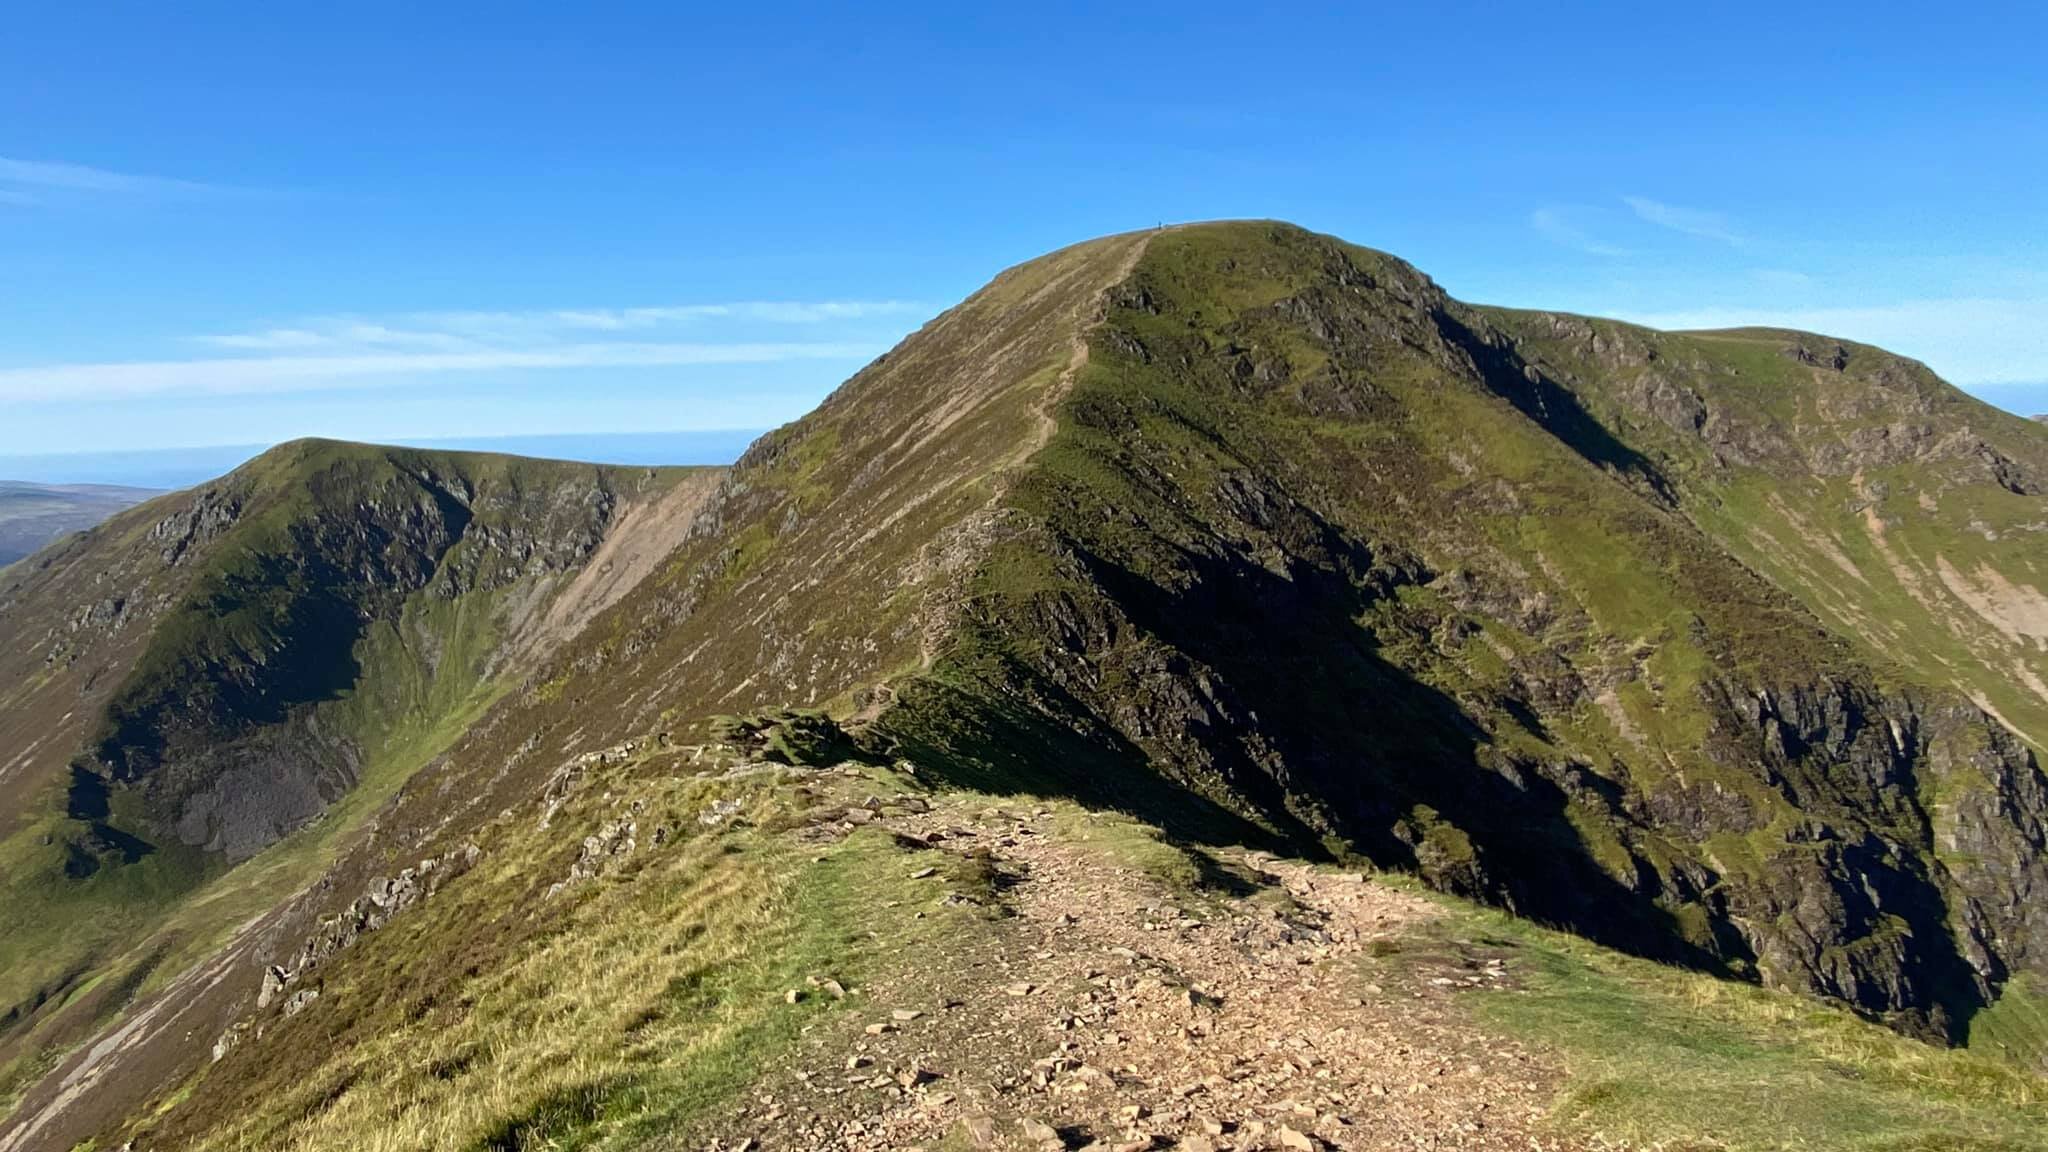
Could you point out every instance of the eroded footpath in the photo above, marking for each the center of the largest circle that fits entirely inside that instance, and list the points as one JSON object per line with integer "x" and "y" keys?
{"x": 1127, "y": 994}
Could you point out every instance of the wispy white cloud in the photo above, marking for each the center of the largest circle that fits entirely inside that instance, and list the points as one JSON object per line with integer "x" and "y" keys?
{"x": 1969, "y": 341}
{"x": 269, "y": 340}
{"x": 34, "y": 182}
{"x": 278, "y": 374}
{"x": 354, "y": 351}
{"x": 1690, "y": 221}
{"x": 1555, "y": 224}
{"x": 337, "y": 335}
{"x": 458, "y": 331}
{"x": 763, "y": 311}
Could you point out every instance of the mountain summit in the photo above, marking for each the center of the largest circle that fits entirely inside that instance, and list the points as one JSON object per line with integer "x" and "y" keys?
{"x": 1724, "y": 649}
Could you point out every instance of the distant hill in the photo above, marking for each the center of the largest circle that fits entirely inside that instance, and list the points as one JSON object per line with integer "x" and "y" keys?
{"x": 32, "y": 515}
{"x": 1036, "y": 686}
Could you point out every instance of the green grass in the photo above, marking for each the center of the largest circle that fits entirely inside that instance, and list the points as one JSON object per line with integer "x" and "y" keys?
{"x": 178, "y": 905}
{"x": 1674, "y": 1059}
{"x": 2015, "y": 1028}
{"x": 616, "y": 1013}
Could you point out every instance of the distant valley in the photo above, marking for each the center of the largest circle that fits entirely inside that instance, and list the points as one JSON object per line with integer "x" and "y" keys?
{"x": 33, "y": 515}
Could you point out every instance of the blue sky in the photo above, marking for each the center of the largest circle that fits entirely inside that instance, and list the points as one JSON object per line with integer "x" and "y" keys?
{"x": 235, "y": 224}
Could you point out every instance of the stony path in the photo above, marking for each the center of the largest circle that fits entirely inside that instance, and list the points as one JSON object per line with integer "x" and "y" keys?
{"x": 1109, "y": 1013}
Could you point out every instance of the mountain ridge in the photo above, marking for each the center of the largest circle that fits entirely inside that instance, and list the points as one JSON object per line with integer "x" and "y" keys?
{"x": 220, "y": 669}
{"x": 1264, "y": 537}
{"x": 1528, "y": 392}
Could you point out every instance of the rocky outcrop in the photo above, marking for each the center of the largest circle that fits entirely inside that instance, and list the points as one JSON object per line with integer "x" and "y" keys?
{"x": 384, "y": 899}
{"x": 563, "y": 782}
{"x": 291, "y": 984}
{"x": 213, "y": 510}
{"x": 600, "y": 852}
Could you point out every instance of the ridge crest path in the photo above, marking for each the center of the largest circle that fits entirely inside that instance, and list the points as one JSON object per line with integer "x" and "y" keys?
{"x": 1102, "y": 1010}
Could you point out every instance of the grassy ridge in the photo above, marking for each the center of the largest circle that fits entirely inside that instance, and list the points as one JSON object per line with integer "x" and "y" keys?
{"x": 1309, "y": 556}
{"x": 1309, "y": 545}
{"x": 385, "y": 531}
{"x": 604, "y": 1016}
{"x": 618, "y": 1014}
{"x": 1663, "y": 1057}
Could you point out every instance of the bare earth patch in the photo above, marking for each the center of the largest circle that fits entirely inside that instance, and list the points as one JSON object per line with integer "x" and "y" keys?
{"x": 644, "y": 536}
{"x": 1105, "y": 1008}
{"x": 2020, "y": 611}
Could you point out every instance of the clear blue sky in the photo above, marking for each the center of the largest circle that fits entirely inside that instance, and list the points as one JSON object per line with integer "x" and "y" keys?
{"x": 226, "y": 224}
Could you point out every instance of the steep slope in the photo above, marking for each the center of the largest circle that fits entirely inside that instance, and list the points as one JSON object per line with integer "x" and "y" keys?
{"x": 1327, "y": 546}
{"x": 204, "y": 675}
{"x": 826, "y": 561}
{"x": 1900, "y": 511}
{"x": 32, "y": 515}
{"x": 1253, "y": 533}
{"x": 1903, "y": 514}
